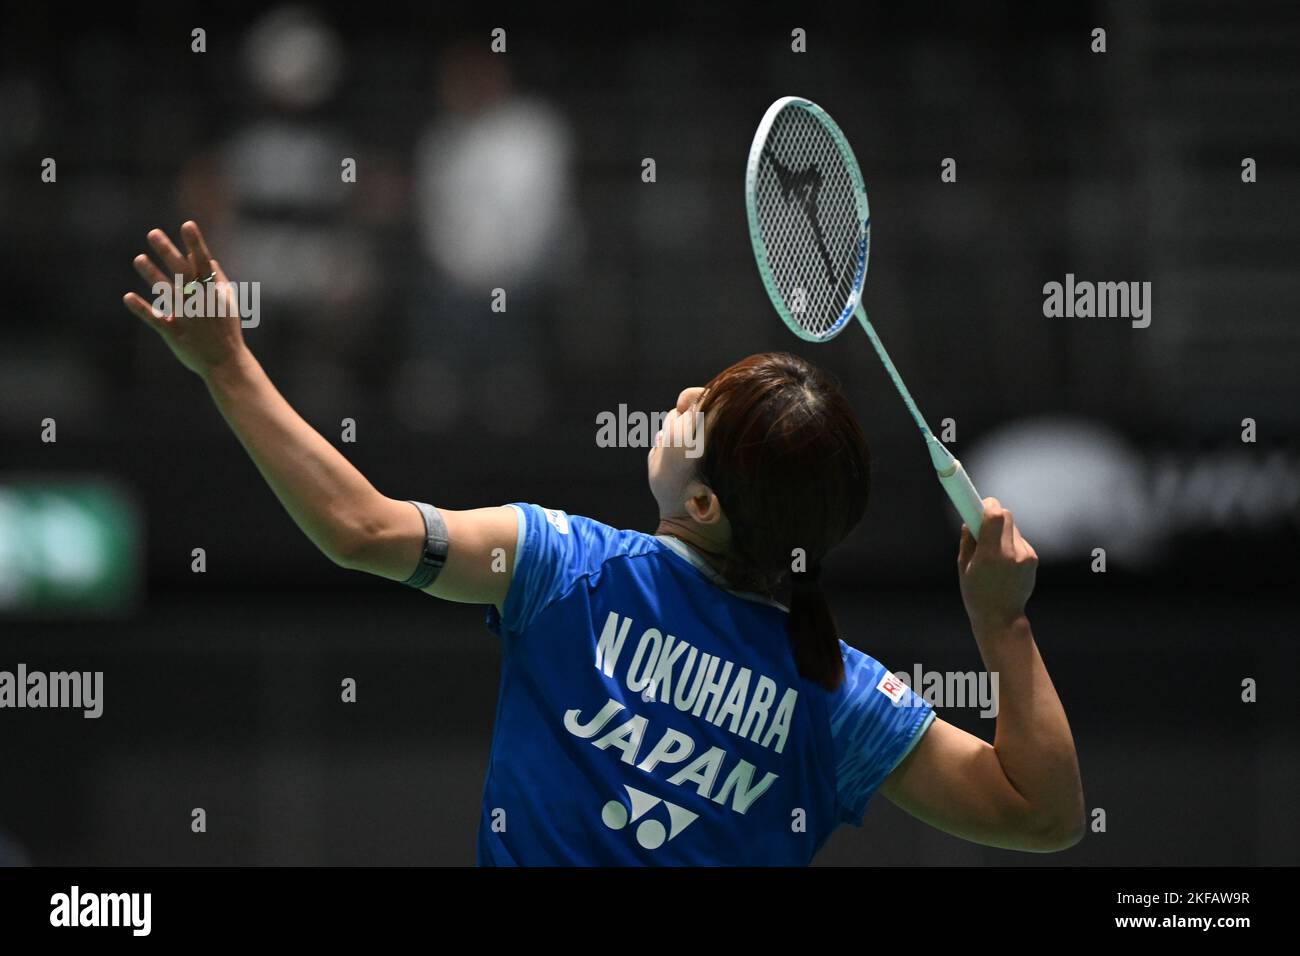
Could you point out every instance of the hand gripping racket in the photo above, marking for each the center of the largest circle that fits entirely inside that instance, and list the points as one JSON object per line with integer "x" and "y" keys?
{"x": 811, "y": 229}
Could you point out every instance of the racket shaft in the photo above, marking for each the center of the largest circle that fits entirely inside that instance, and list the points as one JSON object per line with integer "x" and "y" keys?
{"x": 951, "y": 474}
{"x": 890, "y": 369}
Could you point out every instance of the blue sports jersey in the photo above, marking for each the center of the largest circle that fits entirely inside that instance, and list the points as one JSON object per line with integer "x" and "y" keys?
{"x": 647, "y": 715}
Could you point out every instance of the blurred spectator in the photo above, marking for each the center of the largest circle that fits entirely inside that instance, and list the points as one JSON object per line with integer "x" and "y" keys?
{"x": 493, "y": 206}
{"x": 283, "y": 215}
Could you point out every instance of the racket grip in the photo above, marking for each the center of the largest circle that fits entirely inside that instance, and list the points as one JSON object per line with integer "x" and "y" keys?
{"x": 958, "y": 486}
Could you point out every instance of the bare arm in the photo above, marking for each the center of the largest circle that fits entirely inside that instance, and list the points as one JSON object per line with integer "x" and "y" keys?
{"x": 1023, "y": 791}
{"x": 329, "y": 499}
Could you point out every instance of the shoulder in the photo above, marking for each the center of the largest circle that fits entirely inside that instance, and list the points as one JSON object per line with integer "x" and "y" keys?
{"x": 863, "y": 673}
{"x": 550, "y": 532}
{"x": 870, "y": 694}
{"x": 555, "y": 551}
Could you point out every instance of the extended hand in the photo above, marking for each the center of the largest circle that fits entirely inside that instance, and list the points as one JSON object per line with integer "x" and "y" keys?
{"x": 202, "y": 341}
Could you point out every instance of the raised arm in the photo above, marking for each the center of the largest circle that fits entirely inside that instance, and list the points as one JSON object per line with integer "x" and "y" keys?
{"x": 330, "y": 500}
{"x": 1023, "y": 791}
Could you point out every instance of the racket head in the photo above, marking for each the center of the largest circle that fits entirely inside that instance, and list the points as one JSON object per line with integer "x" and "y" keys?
{"x": 809, "y": 221}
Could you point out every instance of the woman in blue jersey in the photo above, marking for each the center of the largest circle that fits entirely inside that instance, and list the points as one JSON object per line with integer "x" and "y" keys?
{"x": 680, "y": 697}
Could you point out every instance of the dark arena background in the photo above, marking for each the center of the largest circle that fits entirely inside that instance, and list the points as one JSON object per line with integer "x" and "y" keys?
{"x": 1153, "y": 462}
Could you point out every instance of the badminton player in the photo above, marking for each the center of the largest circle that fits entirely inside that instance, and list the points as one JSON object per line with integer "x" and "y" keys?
{"x": 681, "y": 697}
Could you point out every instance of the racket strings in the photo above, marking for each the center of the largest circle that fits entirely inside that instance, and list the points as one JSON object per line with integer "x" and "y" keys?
{"x": 807, "y": 210}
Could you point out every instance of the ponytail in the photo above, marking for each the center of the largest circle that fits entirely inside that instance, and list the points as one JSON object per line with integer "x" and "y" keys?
{"x": 812, "y": 631}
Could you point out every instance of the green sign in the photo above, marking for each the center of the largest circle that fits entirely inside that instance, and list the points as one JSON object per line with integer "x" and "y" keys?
{"x": 67, "y": 547}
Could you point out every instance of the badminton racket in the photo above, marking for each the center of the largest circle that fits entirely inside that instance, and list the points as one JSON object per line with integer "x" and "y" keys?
{"x": 811, "y": 229}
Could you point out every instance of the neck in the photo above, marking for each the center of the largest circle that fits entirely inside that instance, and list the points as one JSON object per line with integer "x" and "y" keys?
{"x": 689, "y": 532}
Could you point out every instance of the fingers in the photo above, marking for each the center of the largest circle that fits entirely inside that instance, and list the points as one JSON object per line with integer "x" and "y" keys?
{"x": 197, "y": 247}
{"x": 965, "y": 550}
{"x": 993, "y": 525}
{"x": 1009, "y": 533}
{"x": 149, "y": 271}
{"x": 999, "y": 526}
{"x": 1013, "y": 543}
{"x": 145, "y": 312}
{"x": 999, "y": 532}
{"x": 196, "y": 263}
{"x": 1022, "y": 549}
{"x": 169, "y": 254}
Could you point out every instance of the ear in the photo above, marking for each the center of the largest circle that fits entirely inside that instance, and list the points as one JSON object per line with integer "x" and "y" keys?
{"x": 702, "y": 504}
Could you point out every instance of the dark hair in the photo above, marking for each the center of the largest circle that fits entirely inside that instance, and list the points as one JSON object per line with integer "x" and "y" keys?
{"x": 791, "y": 468}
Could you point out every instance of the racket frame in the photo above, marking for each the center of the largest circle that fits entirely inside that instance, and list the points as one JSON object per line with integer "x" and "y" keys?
{"x": 752, "y": 168}
{"x": 952, "y": 476}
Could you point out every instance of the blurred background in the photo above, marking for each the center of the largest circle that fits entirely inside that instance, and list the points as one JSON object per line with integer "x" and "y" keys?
{"x": 522, "y": 171}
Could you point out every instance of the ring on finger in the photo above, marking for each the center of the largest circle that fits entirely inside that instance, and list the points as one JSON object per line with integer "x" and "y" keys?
{"x": 194, "y": 283}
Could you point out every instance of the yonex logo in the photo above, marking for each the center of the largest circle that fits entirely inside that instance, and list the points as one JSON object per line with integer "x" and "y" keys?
{"x": 558, "y": 519}
{"x": 651, "y": 834}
